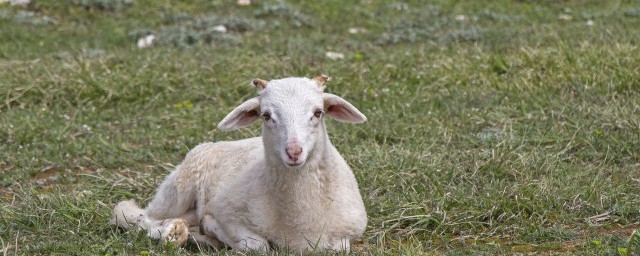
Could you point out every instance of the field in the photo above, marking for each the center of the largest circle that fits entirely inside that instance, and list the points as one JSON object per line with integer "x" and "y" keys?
{"x": 495, "y": 127}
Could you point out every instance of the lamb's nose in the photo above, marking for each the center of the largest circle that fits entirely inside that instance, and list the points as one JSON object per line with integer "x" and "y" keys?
{"x": 293, "y": 151}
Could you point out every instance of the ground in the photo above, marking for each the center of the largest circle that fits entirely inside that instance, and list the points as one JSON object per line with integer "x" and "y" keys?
{"x": 495, "y": 127}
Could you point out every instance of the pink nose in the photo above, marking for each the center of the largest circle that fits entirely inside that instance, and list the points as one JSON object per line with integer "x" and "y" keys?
{"x": 293, "y": 151}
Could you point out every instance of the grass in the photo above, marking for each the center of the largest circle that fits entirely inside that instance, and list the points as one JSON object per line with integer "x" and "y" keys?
{"x": 495, "y": 127}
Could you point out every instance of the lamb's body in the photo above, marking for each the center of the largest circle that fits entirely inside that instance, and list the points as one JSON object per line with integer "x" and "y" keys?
{"x": 244, "y": 195}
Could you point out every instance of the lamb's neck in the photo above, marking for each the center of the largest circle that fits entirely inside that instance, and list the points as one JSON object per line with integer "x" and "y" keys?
{"x": 307, "y": 184}
{"x": 305, "y": 193}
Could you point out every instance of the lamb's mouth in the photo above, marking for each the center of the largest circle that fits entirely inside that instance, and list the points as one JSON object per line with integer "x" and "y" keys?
{"x": 293, "y": 164}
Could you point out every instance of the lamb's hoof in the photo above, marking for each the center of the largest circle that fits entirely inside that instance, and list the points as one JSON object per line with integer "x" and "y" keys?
{"x": 175, "y": 231}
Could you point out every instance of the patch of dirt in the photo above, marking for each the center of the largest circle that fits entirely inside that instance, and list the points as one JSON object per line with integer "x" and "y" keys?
{"x": 618, "y": 229}
{"x": 48, "y": 173}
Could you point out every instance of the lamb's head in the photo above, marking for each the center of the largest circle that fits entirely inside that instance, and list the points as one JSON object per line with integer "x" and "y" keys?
{"x": 292, "y": 110}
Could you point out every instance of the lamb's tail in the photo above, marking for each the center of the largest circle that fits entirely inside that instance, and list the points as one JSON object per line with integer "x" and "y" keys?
{"x": 127, "y": 214}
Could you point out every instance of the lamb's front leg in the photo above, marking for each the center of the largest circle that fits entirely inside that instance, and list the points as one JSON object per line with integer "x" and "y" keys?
{"x": 234, "y": 234}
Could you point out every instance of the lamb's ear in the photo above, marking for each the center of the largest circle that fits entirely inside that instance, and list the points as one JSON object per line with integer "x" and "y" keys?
{"x": 241, "y": 116}
{"x": 341, "y": 109}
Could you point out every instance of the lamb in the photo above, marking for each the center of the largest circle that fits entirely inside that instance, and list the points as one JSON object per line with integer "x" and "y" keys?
{"x": 289, "y": 188}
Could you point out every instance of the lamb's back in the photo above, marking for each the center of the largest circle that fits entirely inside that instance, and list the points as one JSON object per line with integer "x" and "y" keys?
{"x": 210, "y": 164}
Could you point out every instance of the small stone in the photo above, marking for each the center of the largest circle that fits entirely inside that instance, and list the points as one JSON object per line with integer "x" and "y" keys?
{"x": 565, "y": 17}
{"x": 356, "y": 30}
{"x": 146, "y": 41}
{"x": 334, "y": 55}
{"x": 219, "y": 29}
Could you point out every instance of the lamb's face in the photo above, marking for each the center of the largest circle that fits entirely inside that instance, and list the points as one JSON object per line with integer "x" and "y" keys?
{"x": 292, "y": 110}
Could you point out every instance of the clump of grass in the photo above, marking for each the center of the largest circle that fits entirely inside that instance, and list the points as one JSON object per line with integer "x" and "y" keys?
{"x": 632, "y": 12}
{"x": 407, "y": 32}
{"x": 184, "y": 37}
{"x": 105, "y": 5}
{"x": 633, "y": 246}
{"x": 26, "y": 17}
{"x": 471, "y": 34}
{"x": 498, "y": 16}
{"x": 232, "y": 23}
{"x": 423, "y": 24}
{"x": 544, "y": 234}
{"x": 284, "y": 11}
{"x": 184, "y": 31}
{"x": 410, "y": 32}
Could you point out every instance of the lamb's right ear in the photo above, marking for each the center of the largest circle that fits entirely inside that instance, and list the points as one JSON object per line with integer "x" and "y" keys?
{"x": 241, "y": 116}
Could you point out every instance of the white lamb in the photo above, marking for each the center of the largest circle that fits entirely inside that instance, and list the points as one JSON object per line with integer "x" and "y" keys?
{"x": 289, "y": 188}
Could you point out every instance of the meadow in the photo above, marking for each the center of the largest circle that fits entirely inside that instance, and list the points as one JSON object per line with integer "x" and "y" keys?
{"x": 494, "y": 127}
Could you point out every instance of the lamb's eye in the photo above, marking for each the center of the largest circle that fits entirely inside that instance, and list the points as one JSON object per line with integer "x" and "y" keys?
{"x": 318, "y": 113}
{"x": 266, "y": 116}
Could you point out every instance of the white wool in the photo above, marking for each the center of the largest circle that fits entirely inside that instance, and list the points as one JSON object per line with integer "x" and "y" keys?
{"x": 289, "y": 187}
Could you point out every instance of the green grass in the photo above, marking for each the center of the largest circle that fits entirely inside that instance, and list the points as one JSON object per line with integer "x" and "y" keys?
{"x": 511, "y": 130}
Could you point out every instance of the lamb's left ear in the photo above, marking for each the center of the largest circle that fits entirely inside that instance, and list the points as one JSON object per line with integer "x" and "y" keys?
{"x": 241, "y": 116}
{"x": 341, "y": 109}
